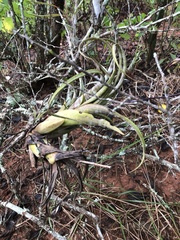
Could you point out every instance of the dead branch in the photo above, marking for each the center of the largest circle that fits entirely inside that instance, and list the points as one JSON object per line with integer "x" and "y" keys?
{"x": 163, "y": 162}
{"x": 24, "y": 212}
{"x": 80, "y": 210}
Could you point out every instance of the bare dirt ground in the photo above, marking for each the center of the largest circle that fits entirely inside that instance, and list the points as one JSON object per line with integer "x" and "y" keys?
{"x": 118, "y": 184}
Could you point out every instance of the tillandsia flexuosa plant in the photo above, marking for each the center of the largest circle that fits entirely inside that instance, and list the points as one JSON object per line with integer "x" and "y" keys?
{"x": 86, "y": 109}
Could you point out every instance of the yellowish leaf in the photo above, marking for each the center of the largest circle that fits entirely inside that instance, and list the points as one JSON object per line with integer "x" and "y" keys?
{"x": 163, "y": 106}
{"x": 34, "y": 150}
{"x": 8, "y": 24}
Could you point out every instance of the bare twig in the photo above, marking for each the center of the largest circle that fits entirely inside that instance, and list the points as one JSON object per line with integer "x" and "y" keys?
{"x": 24, "y": 212}
{"x": 163, "y": 162}
{"x": 8, "y": 43}
{"x": 14, "y": 141}
{"x": 72, "y": 63}
{"x": 169, "y": 118}
{"x": 141, "y": 26}
{"x": 80, "y": 210}
{"x": 144, "y": 102}
{"x": 159, "y": 198}
{"x": 95, "y": 164}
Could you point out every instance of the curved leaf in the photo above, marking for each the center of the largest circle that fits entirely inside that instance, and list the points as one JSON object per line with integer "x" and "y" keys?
{"x": 69, "y": 81}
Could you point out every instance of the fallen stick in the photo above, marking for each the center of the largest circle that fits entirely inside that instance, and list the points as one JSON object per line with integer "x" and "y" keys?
{"x": 163, "y": 162}
{"x": 24, "y": 212}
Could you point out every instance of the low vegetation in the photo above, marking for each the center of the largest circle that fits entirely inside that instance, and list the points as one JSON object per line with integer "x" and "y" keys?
{"x": 89, "y": 100}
